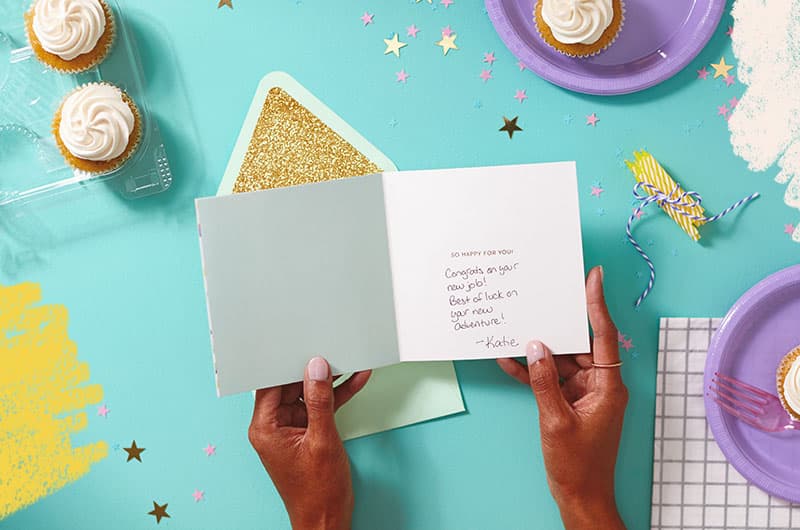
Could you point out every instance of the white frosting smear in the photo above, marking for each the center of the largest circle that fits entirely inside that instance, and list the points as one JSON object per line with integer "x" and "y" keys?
{"x": 765, "y": 127}
{"x": 68, "y": 28}
{"x": 791, "y": 386}
{"x": 96, "y": 123}
{"x": 577, "y": 21}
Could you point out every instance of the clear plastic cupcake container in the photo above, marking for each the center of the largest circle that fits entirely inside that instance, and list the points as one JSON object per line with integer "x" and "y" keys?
{"x": 31, "y": 166}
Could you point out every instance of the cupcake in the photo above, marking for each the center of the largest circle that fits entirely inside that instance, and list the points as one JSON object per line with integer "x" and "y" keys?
{"x": 579, "y": 28}
{"x": 789, "y": 382}
{"x": 70, "y": 36}
{"x": 97, "y": 128}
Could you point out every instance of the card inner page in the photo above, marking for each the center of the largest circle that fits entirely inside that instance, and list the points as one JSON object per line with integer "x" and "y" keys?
{"x": 292, "y": 273}
{"x": 486, "y": 259}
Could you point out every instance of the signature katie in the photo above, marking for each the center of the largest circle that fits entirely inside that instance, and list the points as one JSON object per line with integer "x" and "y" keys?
{"x": 493, "y": 342}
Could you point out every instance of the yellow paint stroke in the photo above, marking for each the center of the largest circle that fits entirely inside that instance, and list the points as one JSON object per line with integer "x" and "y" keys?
{"x": 41, "y": 381}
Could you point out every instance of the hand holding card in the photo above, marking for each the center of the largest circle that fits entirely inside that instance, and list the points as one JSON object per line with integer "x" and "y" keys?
{"x": 393, "y": 267}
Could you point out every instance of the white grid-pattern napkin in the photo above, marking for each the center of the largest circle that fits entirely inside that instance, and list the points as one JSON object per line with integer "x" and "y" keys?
{"x": 693, "y": 484}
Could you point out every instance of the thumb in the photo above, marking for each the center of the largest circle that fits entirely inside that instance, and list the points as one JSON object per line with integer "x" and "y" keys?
{"x": 544, "y": 380}
{"x": 318, "y": 397}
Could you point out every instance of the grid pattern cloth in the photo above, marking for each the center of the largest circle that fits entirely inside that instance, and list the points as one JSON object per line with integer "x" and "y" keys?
{"x": 693, "y": 485}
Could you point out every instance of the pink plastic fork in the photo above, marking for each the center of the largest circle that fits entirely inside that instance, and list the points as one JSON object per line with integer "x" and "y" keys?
{"x": 752, "y": 405}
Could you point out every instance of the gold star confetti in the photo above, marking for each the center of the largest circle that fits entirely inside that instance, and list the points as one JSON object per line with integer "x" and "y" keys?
{"x": 134, "y": 452}
{"x": 228, "y": 3}
{"x": 448, "y": 43}
{"x": 510, "y": 126}
{"x": 159, "y": 512}
{"x": 394, "y": 45}
{"x": 721, "y": 69}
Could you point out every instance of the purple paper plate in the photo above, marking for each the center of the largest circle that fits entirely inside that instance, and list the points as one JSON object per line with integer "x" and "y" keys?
{"x": 761, "y": 327}
{"x": 658, "y": 39}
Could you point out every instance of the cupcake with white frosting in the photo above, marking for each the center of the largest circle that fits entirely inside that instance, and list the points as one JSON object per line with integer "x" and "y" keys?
{"x": 97, "y": 128}
{"x": 70, "y": 36}
{"x": 579, "y": 28}
{"x": 789, "y": 382}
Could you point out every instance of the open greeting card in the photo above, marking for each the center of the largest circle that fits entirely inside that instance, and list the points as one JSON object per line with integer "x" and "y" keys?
{"x": 393, "y": 267}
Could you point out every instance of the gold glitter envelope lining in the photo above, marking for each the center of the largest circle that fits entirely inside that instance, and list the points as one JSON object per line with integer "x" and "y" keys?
{"x": 289, "y": 138}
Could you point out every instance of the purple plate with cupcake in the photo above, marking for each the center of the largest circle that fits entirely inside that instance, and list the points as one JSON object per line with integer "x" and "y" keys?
{"x": 605, "y": 47}
{"x": 754, "y": 344}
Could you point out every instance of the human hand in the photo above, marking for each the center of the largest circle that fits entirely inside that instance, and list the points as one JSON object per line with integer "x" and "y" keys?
{"x": 294, "y": 433}
{"x": 581, "y": 409}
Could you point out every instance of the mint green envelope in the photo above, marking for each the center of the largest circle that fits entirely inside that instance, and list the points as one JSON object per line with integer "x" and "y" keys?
{"x": 398, "y": 395}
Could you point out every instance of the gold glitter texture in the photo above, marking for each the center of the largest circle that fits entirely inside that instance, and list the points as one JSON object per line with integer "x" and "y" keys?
{"x": 291, "y": 146}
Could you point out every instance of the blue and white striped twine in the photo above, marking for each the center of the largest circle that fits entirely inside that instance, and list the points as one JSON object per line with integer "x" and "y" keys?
{"x": 687, "y": 199}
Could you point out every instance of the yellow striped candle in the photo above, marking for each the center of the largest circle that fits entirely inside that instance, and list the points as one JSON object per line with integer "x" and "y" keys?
{"x": 646, "y": 168}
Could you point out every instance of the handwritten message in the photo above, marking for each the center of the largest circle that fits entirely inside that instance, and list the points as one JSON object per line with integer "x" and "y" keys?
{"x": 479, "y": 284}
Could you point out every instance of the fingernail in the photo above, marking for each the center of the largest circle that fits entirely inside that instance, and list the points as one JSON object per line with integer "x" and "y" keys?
{"x": 602, "y": 273}
{"x": 318, "y": 369}
{"x": 535, "y": 352}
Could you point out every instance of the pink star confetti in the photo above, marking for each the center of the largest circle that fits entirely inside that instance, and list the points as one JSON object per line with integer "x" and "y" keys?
{"x": 702, "y": 73}
{"x": 103, "y": 411}
{"x": 210, "y": 450}
{"x": 366, "y": 18}
{"x": 412, "y": 31}
{"x": 639, "y": 214}
{"x": 446, "y": 3}
{"x": 733, "y": 102}
{"x": 626, "y": 343}
{"x": 520, "y": 96}
{"x": 489, "y": 58}
{"x": 729, "y": 80}
{"x": 620, "y": 336}
{"x": 592, "y": 119}
{"x": 521, "y": 65}
{"x": 198, "y": 495}
{"x": 485, "y": 75}
{"x": 597, "y": 191}
{"x": 729, "y": 33}
{"x": 402, "y": 76}
{"x": 446, "y": 31}
{"x": 788, "y": 229}
{"x": 723, "y": 110}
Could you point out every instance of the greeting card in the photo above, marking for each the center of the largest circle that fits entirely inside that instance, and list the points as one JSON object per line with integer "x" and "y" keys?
{"x": 393, "y": 267}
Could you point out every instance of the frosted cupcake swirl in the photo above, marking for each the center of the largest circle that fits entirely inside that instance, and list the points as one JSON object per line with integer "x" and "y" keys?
{"x": 68, "y": 28}
{"x": 577, "y": 21}
{"x": 96, "y": 123}
{"x": 791, "y": 386}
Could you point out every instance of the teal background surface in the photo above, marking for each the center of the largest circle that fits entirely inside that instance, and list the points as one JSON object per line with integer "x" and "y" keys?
{"x": 129, "y": 272}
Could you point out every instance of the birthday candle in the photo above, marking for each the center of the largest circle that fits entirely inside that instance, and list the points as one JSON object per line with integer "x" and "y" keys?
{"x": 646, "y": 169}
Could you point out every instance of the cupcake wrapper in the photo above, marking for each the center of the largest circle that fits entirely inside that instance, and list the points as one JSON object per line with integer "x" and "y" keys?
{"x": 101, "y": 167}
{"x": 583, "y": 55}
{"x": 83, "y": 62}
{"x": 783, "y": 371}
